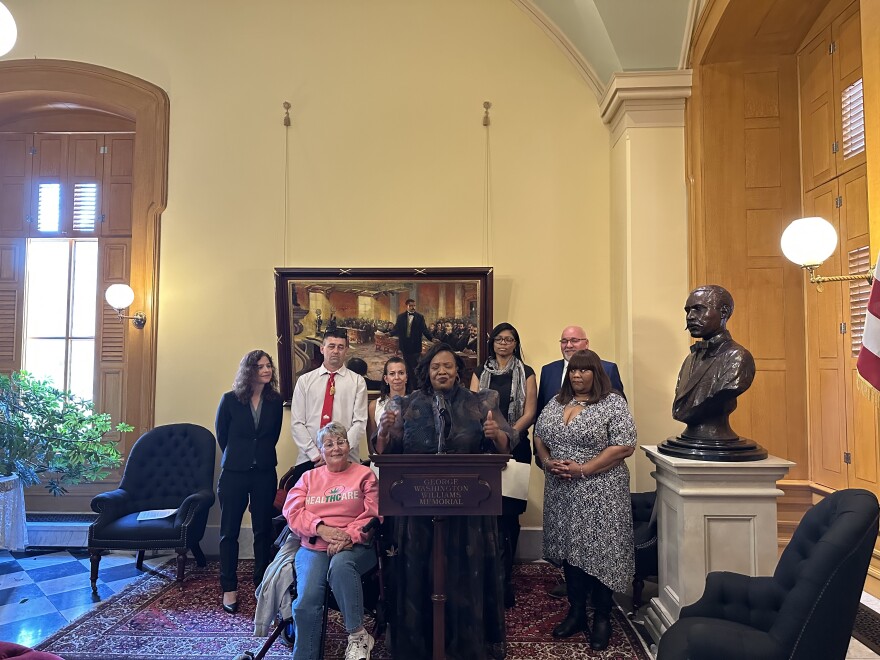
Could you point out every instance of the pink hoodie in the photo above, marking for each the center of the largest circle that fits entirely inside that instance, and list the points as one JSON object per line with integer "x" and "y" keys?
{"x": 347, "y": 500}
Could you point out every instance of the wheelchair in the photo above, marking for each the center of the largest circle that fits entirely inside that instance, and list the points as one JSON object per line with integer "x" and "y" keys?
{"x": 374, "y": 602}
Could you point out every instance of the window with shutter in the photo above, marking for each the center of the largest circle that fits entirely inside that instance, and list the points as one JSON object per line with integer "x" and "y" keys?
{"x": 60, "y": 312}
{"x": 853, "y": 113}
{"x": 859, "y": 291}
{"x": 49, "y": 207}
{"x": 85, "y": 206}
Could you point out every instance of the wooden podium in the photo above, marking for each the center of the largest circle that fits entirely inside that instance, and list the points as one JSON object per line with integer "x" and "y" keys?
{"x": 440, "y": 485}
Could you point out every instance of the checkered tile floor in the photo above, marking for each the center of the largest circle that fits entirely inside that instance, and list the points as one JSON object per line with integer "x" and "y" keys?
{"x": 43, "y": 591}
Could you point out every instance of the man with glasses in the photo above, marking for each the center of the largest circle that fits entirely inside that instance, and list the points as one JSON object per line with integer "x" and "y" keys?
{"x": 574, "y": 339}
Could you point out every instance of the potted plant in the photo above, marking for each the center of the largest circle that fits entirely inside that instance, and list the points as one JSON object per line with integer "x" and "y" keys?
{"x": 54, "y": 436}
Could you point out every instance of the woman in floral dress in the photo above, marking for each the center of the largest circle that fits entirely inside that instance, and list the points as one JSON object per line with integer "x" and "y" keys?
{"x": 582, "y": 437}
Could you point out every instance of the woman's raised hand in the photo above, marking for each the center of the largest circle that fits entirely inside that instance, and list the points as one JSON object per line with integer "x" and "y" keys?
{"x": 386, "y": 421}
{"x": 490, "y": 427}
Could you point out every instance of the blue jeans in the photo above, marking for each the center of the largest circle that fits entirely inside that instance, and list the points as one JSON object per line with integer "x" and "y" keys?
{"x": 343, "y": 571}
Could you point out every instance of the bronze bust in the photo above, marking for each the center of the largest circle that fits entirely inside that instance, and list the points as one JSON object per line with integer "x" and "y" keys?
{"x": 713, "y": 375}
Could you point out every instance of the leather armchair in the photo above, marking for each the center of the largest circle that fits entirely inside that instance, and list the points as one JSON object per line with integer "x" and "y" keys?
{"x": 645, "y": 541}
{"x": 804, "y": 611}
{"x": 170, "y": 467}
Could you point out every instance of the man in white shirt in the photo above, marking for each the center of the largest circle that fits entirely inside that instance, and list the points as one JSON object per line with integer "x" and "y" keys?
{"x": 331, "y": 392}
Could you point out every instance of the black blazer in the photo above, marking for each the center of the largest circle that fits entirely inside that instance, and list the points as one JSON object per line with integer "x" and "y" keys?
{"x": 241, "y": 443}
{"x": 419, "y": 329}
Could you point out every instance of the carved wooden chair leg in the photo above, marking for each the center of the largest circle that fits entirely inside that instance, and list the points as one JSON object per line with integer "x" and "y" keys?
{"x": 139, "y": 564}
{"x": 199, "y": 555}
{"x": 181, "y": 565}
{"x": 95, "y": 560}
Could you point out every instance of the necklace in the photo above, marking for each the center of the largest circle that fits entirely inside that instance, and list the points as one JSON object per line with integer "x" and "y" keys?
{"x": 575, "y": 402}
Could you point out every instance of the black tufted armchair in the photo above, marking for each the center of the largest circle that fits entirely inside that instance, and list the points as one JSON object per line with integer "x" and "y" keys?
{"x": 645, "y": 541}
{"x": 805, "y": 611}
{"x": 170, "y": 467}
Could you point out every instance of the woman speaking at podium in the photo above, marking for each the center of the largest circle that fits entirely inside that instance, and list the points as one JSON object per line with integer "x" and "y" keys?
{"x": 444, "y": 417}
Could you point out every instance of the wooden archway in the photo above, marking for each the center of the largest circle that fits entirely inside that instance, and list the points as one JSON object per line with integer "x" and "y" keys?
{"x": 102, "y": 89}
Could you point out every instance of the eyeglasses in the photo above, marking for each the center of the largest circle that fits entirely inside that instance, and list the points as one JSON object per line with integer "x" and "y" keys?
{"x": 341, "y": 442}
{"x": 572, "y": 340}
{"x": 504, "y": 340}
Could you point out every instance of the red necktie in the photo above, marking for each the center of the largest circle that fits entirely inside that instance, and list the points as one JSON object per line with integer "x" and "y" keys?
{"x": 327, "y": 409}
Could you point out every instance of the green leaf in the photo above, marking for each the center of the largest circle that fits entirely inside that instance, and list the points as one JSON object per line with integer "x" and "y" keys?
{"x": 46, "y": 432}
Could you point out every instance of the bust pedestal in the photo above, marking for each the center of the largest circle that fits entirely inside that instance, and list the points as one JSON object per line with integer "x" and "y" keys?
{"x": 712, "y": 516}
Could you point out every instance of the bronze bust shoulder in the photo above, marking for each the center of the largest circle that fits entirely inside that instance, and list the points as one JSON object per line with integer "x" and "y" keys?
{"x": 715, "y": 372}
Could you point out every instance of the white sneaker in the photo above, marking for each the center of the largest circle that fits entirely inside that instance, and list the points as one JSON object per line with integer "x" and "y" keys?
{"x": 359, "y": 646}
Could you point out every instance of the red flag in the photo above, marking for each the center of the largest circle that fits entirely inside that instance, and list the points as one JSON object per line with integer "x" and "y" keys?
{"x": 868, "y": 364}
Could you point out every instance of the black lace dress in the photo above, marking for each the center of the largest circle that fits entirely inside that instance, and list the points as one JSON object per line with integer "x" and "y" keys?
{"x": 474, "y": 572}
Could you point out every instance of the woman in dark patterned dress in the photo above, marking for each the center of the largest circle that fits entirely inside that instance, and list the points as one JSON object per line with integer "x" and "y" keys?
{"x": 582, "y": 437}
{"x": 470, "y": 424}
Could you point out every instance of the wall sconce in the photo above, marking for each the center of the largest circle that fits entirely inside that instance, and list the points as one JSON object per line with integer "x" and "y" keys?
{"x": 810, "y": 241}
{"x": 120, "y": 297}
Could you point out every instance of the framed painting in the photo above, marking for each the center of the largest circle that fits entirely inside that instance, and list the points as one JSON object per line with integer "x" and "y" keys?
{"x": 365, "y": 304}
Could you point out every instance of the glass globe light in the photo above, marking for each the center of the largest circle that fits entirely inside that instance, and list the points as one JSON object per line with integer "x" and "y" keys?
{"x": 8, "y": 31}
{"x": 119, "y": 296}
{"x": 809, "y": 241}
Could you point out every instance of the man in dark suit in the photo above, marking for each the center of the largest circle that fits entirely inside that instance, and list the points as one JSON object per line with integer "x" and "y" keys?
{"x": 574, "y": 338}
{"x": 409, "y": 329}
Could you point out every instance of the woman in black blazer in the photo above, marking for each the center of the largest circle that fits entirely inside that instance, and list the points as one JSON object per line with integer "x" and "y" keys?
{"x": 248, "y": 426}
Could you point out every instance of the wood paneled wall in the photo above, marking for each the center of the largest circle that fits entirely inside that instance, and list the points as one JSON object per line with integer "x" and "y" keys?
{"x": 748, "y": 174}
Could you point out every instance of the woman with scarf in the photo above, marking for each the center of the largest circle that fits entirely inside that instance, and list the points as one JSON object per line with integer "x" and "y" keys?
{"x": 517, "y": 389}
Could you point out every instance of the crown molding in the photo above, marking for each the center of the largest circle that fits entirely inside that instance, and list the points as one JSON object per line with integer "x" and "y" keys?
{"x": 695, "y": 9}
{"x": 584, "y": 68}
{"x": 647, "y": 99}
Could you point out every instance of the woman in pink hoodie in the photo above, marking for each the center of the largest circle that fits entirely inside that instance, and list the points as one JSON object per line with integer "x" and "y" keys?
{"x": 328, "y": 508}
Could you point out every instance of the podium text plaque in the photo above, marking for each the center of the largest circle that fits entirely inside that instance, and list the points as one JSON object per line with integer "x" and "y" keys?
{"x": 440, "y": 485}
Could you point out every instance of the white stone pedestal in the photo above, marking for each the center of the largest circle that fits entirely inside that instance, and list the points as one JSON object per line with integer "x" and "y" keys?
{"x": 712, "y": 516}
{"x": 13, "y": 528}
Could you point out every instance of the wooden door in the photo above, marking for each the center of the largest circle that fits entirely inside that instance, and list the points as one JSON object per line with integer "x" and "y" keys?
{"x": 15, "y": 184}
{"x": 82, "y": 195}
{"x": 48, "y": 178}
{"x": 849, "y": 127}
{"x": 118, "y": 182}
{"x": 825, "y": 355}
{"x": 12, "y": 270}
{"x": 864, "y": 467}
{"x": 818, "y": 110}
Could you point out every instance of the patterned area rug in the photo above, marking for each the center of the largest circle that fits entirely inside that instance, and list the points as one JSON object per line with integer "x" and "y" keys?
{"x": 867, "y": 628}
{"x": 153, "y": 619}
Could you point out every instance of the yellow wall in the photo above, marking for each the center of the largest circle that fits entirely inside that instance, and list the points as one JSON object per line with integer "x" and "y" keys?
{"x": 649, "y": 280}
{"x": 387, "y": 162}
